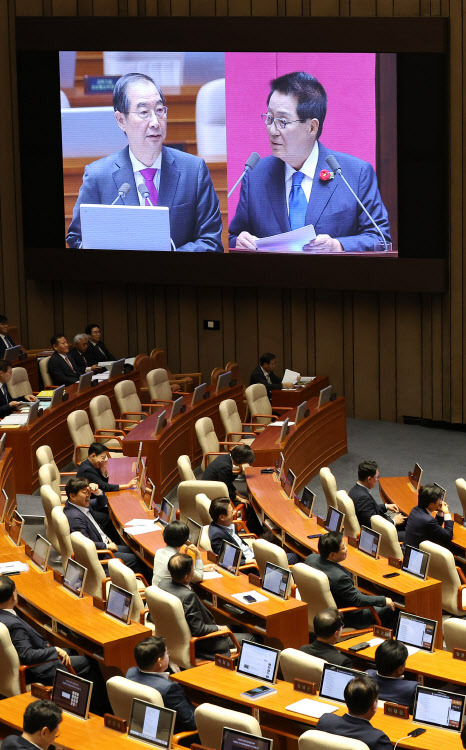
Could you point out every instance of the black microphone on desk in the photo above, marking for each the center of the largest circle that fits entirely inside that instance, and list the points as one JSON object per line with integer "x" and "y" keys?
{"x": 142, "y": 187}
{"x": 123, "y": 190}
{"x": 335, "y": 167}
{"x": 250, "y": 164}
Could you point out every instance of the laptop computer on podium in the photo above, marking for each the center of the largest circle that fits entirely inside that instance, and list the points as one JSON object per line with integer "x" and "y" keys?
{"x": 125, "y": 227}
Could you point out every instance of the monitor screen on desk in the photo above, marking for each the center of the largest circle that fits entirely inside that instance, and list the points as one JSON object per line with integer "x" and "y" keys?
{"x": 57, "y": 396}
{"x": 324, "y": 396}
{"x": 415, "y": 631}
{"x": 152, "y": 724}
{"x": 75, "y": 577}
{"x": 41, "y": 552}
{"x": 415, "y": 562}
{"x": 2, "y": 445}
{"x": 289, "y": 483}
{"x": 195, "y": 530}
{"x": 301, "y": 412}
{"x": 369, "y": 542}
{"x": 285, "y": 430}
{"x": 85, "y": 382}
{"x": 223, "y": 381}
{"x": 437, "y": 708}
{"x": 259, "y": 662}
{"x": 33, "y": 411}
{"x": 119, "y": 603}
{"x": 12, "y": 354}
{"x": 198, "y": 393}
{"x": 229, "y": 557}
{"x": 277, "y": 580}
{"x": 334, "y": 681}
{"x": 335, "y": 519}
{"x": 142, "y": 477}
{"x": 233, "y": 739}
{"x": 165, "y": 513}
{"x": 3, "y": 505}
{"x": 117, "y": 368}
{"x": 177, "y": 406}
{"x": 443, "y": 491}
{"x": 15, "y": 528}
{"x": 160, "y": 421}
{"x": 306, "y": 502}
{"x": 72, "y": 693}
{"x": 415, "y": 477}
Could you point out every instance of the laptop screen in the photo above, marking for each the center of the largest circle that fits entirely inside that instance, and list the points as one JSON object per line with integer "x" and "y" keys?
{"x": 259, "y": 662}
{"x": 276, "y": 580}
{"x": 198, "y": 393}
{"x": 75, "y": 577}
{"x": 118, "y": 603}
{"x": 41, "y": 551}
{"x": 334, "y": 681}
{"x": 72, "y": 693}
{"x": 416, "y": 476}
{"x": 416, "y": 631}
{"x": 334, "y": 520}
{"x": 369, "y": 542}
{"x": 152, "y": 724}
{"x": 16, "y": 528}
{"x": 438, "y": 709}
{"x": 223, "y": 380}
{"x": 300, "y": 412}
{"x": 229, "y": 557}
{"x": 194, "y": 531}
{"x": 415, "y": 562}
{"x": 289, "y": 483}
{"x": 233, "y": 739}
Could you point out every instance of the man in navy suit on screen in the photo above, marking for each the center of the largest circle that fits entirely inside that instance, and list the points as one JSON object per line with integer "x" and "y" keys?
{"x": 173, "y": 178}
{"x": 294, "y": 187}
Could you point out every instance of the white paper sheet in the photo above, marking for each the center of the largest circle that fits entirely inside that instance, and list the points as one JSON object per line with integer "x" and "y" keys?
{"x": 288, "y": 241}
{"x": 209, "y": 574}
{"x": 308, "y": 707}
{"x": 279, "y": 423}
{"x": 137, "y": 530}
{"x": 375, "y": 641}
{"x": 412, "y": 649}
{"x": 17, "y": 419}
{"x": 290, "y": 376}
{"x": 258, "y": 597}
{"x": 140, "y": 522}
{"x": 13, "y": 567}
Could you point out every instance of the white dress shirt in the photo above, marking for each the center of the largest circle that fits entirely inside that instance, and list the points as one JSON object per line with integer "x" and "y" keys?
{"x": 245, "y": 548}
{"x": 161, "y": 559}
{"x": 138, "y": 178}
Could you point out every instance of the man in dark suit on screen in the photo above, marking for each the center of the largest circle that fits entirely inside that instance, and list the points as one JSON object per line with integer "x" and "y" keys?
{"x": 41, "y": 726}
{"x": 365, "y": 505}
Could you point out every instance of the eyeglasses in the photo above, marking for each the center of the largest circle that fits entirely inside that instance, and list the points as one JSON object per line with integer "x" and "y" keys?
{"x": 280, "y": 123}
{"x": 146, "y": 114}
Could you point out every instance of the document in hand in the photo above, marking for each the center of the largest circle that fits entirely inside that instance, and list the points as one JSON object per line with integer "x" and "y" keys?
{"x": 288, "y": 241}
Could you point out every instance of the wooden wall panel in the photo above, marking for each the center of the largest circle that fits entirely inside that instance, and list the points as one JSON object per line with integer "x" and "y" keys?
{"x": 366, "y": 363}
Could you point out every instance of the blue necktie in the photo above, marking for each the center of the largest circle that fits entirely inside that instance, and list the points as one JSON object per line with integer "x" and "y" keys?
{"x": 297, "y": 202}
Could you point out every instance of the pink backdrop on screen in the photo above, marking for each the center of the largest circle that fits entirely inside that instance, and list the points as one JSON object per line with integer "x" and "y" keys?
{"x": 348, "y": 78}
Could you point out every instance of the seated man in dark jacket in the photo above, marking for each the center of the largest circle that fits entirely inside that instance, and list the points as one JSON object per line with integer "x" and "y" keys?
{"x": 97, "y": 351}
{"x": 365, "y": 505}
{"x": 328, "y": 626}
{"x": 390, "y": 662}
{"x": 78, "y": 355}
{"x": 94, "y": 468}
{"x": 422, "y": 525}
{"x": 41, "y": 725}
{"x": 152, "y": 663}
{"x": 264, "y": 373}
{"x": 61, "y": 369}
{"x": 222, "y": 528}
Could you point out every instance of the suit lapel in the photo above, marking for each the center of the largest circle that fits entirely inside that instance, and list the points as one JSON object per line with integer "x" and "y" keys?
{"x": 276, "y": 192}
{"x": 169, "y": 178}
{"x": 123, "y": 172}
{"x": 321, "y": 191}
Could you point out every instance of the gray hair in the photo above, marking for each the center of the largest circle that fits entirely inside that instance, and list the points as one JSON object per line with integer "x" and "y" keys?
{"x": 80, "y": 336}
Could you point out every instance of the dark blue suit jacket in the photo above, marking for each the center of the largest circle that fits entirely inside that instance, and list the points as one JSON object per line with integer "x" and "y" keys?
{"x": 395, "y": 690}
{"x": 331, "y": 209}
{"x": 356, "y": 728}
{"x": 185, "y": 187}
{"x": 172, "y": 695}
{"x": 421, "y": 526}
{"x": 31, "y": 647}
{"x": 365, "y": 505}
{"x": 78, "y": 521}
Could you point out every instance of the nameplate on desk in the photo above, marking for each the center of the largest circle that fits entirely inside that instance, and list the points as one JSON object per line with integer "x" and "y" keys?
{"x": 57, "y": 576}
{"x": 320, "y": 521}
{"x": 394, "y": 709}
{"x": 114, "y": 722}
{"x": 459, "y": 653}
{"x": 304, "y": 686}
{"x": 41, "y": 692}
{"x": 255, "y": 580}
{"x": 352, "y": 542}
{"x": 211, "y": 556}
{"x": 226, "y": 662}
{"x": 395, "y": 563}
{"x": 458, "y": 519}
{"x": 98, "y": 603}
{"x": 381, "y": 632}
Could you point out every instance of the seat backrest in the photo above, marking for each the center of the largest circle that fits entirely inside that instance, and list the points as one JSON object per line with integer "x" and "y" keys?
{"x": 258, "y": 403}
{"x": 158, "y": 385}
{"x": 187, "y": 492}
{"x": 329, "y": 486}
{"x": 125, "y": 578}
{"x": 204, "y": 541}
{"x": 454, "y": 633}
{"x": 316, "y": 740}
{"x": 62, "y": 531}
{"x": 44, "y": 371}
{"x": 49, "y": 474}
{"x": 101, "y": 413}
{"x": 214, "y": 376}
{"x": 314, "y": 589}
{"x": 389, "y": 544}
{"x": 207, "y": 438}
{"x": 9, "y": 660}
{"x": 44, "y": 455}
{"x": 461, "y": 490}
{"x": 81, "y": 433}
{"x": 127, "y": 398}
{"x": 442, "y": 567}
{"x": 185, "y": 469}
{"x": 122, "y": 691}
{"x": 85, "y": 553}
{"x": 296, "y": 664}
{"x": 168, "y": 617}
{"x": 203, "y": 507}
{"x": 50, "y": 500}
{"x": 19, "y": 384}
{"x": 346, "y": 506}
{"x": 234, "y": 368}
{"x": 265, "y": 552}
{"x": 210, "y": 723}
{"x": 159, "y": 360}
{"x": 231, "y": 420}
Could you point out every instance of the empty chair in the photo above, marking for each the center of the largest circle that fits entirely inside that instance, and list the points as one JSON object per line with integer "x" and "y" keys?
{"x": 159, "y": 388}
{"x": 184, "y": 469}
{"x": 50, "y": 500}
{"x": 259, "y": 406}
{"x": 454, "y": 633}
{"x": 105, "y": 424}
{"x": 49, "y": 474}
{"x": 129, "y": 403}
{"x": 187, "y": 492}
{"x": 19, "y": 384}
{"x": 211, "y": 131}
{"x": 186, "y": 380}
{"x": 329, "y": 486}
{"x": 61, "y": 528}
{"x": 85, "y": 553}
{"x": 389, "y": 542}
{"x": 210, "y": 721}
{"x": 208, "y": 440}
{"x": 316, "y": 740}
{"x": 234, "y": 428}
{"x": 265, "y": 552}
{"x": 234, "y": 368}
{"x": 44, "y": 456}
{"x": 81, "y": 434}
{"x": 346, "y": 506}
{"x": 127, "y": 579}
{"x": 296, "y": 664}
{"x": 442, "y": 567}
{"x": 461, "y": 490}
{"x": 122, "y": 691}
{"x": 44, "y": 372}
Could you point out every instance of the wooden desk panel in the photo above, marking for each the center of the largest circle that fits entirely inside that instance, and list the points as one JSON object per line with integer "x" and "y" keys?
{"x": 291, "y": 397}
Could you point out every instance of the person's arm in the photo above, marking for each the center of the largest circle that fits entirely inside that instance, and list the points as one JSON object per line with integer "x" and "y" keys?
{"x": 350, "y": 596}
{"x": 216, "y": 543}
{"x": 160, "y": 567}
{"x": 439, "y": 533}
{"x": 207, "y": 230}
{"x": 95, "y": 476}
{"x": 368, "y": 193}
{"x": 27, "y": 653}
{"x": 194, "y": 618}
{"x": 383, "y": 743}
{"x": 177, "y": 701}
{"x": 78, "y": 522}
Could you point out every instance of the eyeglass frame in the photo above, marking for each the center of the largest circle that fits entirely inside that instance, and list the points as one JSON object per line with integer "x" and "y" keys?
{"x": 274, "y": 120}
{"x": 161, "y": 115}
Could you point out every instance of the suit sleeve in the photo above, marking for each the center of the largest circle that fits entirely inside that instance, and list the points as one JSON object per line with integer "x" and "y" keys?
{"x": 79, "y": 524}
{"x": 215, "y": 542}
{"x": 383, "y": 743}
{"x": 95, "y": 477}
{"x": 352, "y": 597}
{"x": 26, "y": 652}
{"x": 207, "y": 230}
{"x": 194, "y": 617}
{"x": 368, "y": 193}
{"x": 88, "y": 193}
{"x": 438, "y": 533}
{"x": 177, "y": 701}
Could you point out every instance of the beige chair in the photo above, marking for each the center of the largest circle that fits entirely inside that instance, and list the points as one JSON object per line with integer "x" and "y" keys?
{"x": 259, "y": 406}
{"x": 186, "y": 380}
{"x": 44, "y": 455}
{"x": 44, "y": 372}
{"x": 159, "y": 388}
{"x": 105, "y": 424}
{"x": 202, "y": 508}
{"x": 49, "y": 474}
{"x": 204, "y": 541}
{"x": 314, "y": 589}
{"x": 208, "y": 440}
{"x": 12, "y": 674}
{"x": 168, "y": 617}
{"x": 345, "y": 505}
{"x": 85, "y": 553}
{"x": 296, "y": 664}
{"x": 442, "y": 567}
{"x": 314, "y": 739}
{"x": 81, "y": 434}
{"x": 127, "y": 579}
{"x": 187, "y": 492}
{"x": 210, "y": 721}
{"x": 184, "y": 469}
{"x": 454, "y": 633}
{"x": 19, "y": 384}
{"x": 329, "y": 486}
{"x": 234, "y": 428}
{"x": 265, "y": 552}
{"x": 122, "y": 691}
{"x": 461, "y": 490}
{"x": 130, "y": 404}
{"x": 389, "y": 543}
{"x": 50, "y": 500}
{"x": 61, "y": 528}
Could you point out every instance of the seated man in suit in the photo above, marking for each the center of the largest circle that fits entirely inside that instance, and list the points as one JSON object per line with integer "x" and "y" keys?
{"x": 172, "y": 178}
{"x": 222, "y": 513}
{"x": 6, "y": 342}
{"x": 264, "y": 373}
{"x": 365, "y": 505}
{"x": 422, "y": 525}
{"x": 78, "y": 355}
{"x": 294, "y": 187}
{"x": 361, "y": 698}
{"x": 41, "y": 725}
{"x": 151, "y": 657}
{"x": 96, "y": 350}
{"x": 390, "y": 662}
{"x": 8, "y": 404}
{"x": 81, "y": 518}
{"x": 94, "y": 468}
{"x": 332, "y": 551}
{"x": 328, "y": 627}
{"x": 60, "y": 367}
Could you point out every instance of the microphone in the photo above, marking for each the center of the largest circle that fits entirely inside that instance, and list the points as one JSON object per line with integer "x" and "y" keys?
{"x": 142, "y": 187}
{"x": 124, "y": 190}
{"x": 250, "y": 164}
{"x": 335, "y": 167}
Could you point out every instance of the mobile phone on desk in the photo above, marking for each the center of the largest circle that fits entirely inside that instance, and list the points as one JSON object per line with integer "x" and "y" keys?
{"x": 390, "y": 575}
{"x": 258, "y": 692}
{"x": 249, "y": 599}
{"x": 359, "y": 646}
